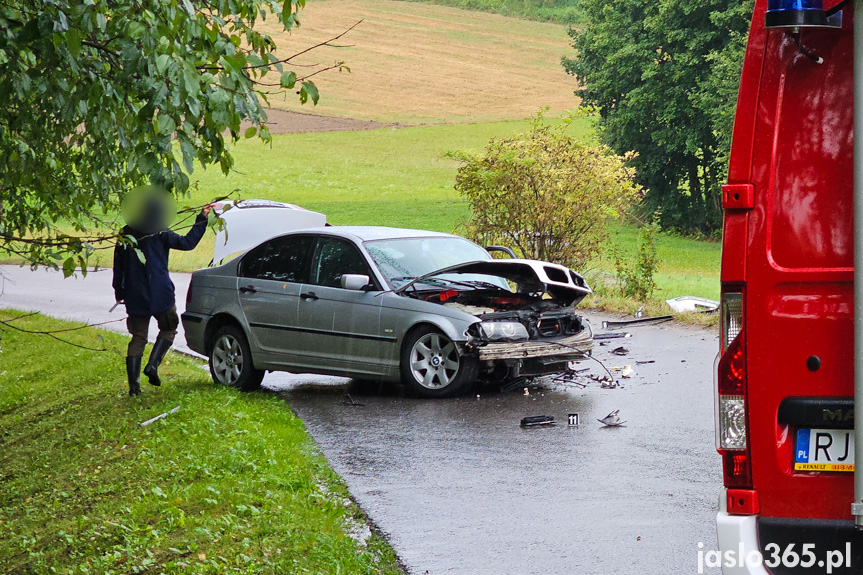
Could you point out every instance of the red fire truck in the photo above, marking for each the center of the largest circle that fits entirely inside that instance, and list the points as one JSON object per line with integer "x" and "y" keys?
{"x": 790, "y": 368}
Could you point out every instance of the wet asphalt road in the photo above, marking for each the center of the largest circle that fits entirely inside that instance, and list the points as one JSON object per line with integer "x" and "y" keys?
{"x": 459, "y": 488}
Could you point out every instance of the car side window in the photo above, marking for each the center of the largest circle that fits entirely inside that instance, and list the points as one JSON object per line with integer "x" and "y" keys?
{"x": 282, "y": 259}
{"x": 334, "y": 258}
{"x": 251, "y": 263}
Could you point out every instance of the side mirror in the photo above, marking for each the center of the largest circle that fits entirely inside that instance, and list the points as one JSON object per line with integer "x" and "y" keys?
{"x": 355, "y": 282}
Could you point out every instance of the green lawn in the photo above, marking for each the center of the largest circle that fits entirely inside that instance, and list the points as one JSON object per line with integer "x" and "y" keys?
{"x": 561, "y": 11}
{"x": 394, "y": 177}
{"x": 231, "y": 483}
{"x": 687, "y": 267}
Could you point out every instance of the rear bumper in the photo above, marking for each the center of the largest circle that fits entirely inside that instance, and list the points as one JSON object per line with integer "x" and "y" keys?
{"x": 738, "y": 535}
{"x": 570, "y": 348}
{"x": 194, "y": 328}
{"x": 835, "y": 546}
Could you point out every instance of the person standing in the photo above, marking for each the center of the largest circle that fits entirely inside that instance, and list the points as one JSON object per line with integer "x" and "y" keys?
{"x": 146, "y": 288}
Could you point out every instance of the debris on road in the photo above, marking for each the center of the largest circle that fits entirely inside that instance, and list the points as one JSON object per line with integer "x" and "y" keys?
{"x": 692, "y": 303}
{"x": 348, "y": 400}
{"x": 635, "y": 322}
{"x": 610, "y": 335}
{"x": 620, "y": 351}
{"x": 537, "y": 420}
{"x": 625, "y": 370}
{"x": 612, "y": 419}
{"x": 158, "y": 417}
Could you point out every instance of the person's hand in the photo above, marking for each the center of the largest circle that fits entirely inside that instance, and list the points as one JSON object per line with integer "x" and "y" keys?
{"x": 205, "y": 211}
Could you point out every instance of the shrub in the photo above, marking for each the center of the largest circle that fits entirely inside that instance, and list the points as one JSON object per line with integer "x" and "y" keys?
{"x": 635, "y": 277}
{"x": 543, "y": 194}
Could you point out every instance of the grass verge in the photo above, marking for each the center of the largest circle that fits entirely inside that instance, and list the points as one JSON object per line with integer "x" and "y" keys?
{"x": 231, "y": 483}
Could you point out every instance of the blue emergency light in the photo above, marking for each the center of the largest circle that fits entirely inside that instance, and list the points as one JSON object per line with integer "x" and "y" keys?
{"x": 800, "y": 14}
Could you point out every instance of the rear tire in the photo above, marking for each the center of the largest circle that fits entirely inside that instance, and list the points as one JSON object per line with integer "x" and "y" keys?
{"x": 231, "y": 360}
{"x": 432, "y": 367}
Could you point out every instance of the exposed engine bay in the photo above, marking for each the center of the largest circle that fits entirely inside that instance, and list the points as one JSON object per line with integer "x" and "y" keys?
{"x": 528, "y": 325}
{"x": 541, "y": 318}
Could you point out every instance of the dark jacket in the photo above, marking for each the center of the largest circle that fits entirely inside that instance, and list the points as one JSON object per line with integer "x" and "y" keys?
{"x": 147, "y": 288}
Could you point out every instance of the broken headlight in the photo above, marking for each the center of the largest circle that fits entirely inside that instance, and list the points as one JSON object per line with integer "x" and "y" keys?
{"x": 503, "y": 331}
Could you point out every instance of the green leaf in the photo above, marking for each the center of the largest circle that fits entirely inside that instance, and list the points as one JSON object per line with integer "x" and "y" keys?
{"x": 236, "y": 63}
{"x": 140, "y": 255}
{"x": 289, "y": 80}
{"x": 310, "y": 91}
{"x": 135, "y": 30}
{"x": 162, "y": 62}
{"x": 250, "y": 132}
{"x": 68, "y": 266}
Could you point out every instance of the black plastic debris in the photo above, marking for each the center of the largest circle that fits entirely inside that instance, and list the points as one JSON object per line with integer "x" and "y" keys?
{"x": 537, "y": 420}
{"x": 610, "y": 335}
{"x": 620, "y": 351}
{"x": 348, "y": 400}
{"x": 636, "y": 322}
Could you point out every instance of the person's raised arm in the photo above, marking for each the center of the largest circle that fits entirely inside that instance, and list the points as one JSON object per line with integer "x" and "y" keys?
{"x": 193, "y": 236}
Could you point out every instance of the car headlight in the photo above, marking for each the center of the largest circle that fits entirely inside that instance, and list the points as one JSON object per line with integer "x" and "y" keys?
{"x": 503, "y": 331}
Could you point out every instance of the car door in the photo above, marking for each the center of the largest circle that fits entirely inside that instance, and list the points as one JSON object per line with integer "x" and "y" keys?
{"x": 341, "y": 326}
{"x": 269, "y": 282}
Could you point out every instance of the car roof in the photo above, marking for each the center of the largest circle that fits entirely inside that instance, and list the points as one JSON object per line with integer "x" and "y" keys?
{"x": 370, "y": 233}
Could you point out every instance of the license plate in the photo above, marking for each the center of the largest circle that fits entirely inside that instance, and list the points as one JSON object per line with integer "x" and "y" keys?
{"x": 824, "y": 450}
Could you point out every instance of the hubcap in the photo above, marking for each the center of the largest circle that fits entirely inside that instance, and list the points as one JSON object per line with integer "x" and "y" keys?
{"x": 227, "y": 360}
{"x": 434, "y": 361}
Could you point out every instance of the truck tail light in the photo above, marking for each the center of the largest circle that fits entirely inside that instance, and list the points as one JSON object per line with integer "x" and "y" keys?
{"x": 731, "y": 420}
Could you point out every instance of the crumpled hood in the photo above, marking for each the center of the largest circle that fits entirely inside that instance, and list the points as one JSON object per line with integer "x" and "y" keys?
{"x": 559, "y": 282}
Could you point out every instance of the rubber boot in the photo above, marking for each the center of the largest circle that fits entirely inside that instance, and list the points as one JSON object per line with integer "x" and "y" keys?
{"x": 157, "y": 354}
{"x": 133, "y": 372}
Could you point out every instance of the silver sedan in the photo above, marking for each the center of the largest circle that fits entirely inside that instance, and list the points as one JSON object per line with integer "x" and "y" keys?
{"x": 431, "y": 310}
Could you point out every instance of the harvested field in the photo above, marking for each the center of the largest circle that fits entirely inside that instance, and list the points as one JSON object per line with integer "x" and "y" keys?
{"x": 419, "y": 63}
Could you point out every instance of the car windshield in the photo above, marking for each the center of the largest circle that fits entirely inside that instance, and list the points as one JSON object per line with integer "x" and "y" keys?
{"x": 404, "y": 259}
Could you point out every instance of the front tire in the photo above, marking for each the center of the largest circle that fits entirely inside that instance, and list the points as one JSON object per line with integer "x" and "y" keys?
{"x": 231, "y": 360}
{"x": 432, "y": 367}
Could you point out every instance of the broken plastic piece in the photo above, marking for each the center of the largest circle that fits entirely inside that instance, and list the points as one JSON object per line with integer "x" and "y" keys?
{"x": 535, "y": 420}
{"x": 635, "y": 322}
{"x": 611, "y": 335}
{"x": 158, "y": 417}
{"x": 620, "y": 351}
{"x": 612, "y": 419}
{"x": 692, "y": 303}
{"x": 348, "y": 400}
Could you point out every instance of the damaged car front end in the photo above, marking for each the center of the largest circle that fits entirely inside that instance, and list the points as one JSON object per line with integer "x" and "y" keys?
{"x": 527, "y": 324}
